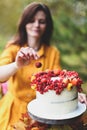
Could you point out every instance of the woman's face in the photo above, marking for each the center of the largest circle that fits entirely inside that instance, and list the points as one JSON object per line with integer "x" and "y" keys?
{"x": 36, "y": 27}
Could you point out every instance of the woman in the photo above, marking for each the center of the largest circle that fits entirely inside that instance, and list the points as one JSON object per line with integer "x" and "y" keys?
{"x": 30, "y": 45}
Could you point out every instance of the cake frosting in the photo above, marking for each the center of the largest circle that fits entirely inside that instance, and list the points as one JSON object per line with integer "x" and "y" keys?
{"x": 57, "y": 91}
{"x": 58, "y": 104}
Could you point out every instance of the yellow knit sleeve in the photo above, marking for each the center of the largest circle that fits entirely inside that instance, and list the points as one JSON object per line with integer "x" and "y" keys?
{"x": 8, "y": 55}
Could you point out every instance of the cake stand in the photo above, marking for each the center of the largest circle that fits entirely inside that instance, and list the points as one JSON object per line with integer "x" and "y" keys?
{"x": 36, "y": 113}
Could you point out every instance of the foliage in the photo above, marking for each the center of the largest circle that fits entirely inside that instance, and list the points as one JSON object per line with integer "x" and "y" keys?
{"x": 70, "y": 37}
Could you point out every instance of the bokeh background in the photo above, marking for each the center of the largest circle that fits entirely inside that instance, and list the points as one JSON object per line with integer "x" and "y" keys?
{"x": 70, "y": 30}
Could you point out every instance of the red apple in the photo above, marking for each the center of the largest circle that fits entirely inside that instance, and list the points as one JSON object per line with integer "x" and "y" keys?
{"x": 56, "y": 72}
{"x": 74, "y": 81}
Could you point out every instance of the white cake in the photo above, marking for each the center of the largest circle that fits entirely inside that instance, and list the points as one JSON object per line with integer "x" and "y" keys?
{"x": 55, "y": 104}
{"x": 57, "y": 94}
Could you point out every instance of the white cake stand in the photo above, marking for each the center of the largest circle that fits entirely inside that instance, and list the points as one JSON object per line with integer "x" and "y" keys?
{"x": 36, "y": 113}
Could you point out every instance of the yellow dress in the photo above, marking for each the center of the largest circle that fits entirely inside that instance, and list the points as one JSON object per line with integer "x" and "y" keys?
{"x": 19, "y": 94}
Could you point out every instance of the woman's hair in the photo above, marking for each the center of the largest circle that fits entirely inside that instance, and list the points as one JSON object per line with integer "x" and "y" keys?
{"x": 28, "y": 14}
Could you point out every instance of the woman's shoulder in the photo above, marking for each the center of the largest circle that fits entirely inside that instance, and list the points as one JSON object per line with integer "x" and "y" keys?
{"x": 53, "y": 48}
{"x": 10, "y": 50}
{"x": 12, "y": 47}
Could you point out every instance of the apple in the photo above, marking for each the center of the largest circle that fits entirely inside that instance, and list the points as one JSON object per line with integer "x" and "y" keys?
{"x": 74, "y": 81}
{"x": 56, "y": 72}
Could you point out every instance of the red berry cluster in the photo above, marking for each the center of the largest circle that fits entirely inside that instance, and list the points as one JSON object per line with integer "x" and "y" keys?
{"x": 44, "y": 82}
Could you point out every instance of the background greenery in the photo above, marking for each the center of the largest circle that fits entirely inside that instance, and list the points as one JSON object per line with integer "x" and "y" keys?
{"x": 70, "y": 29}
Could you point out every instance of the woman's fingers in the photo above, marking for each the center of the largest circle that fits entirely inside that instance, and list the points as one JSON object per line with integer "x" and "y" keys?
{"x": 82, "y": 98}
{"x": 29, "y": 53}
{"x": 33, "y": 53}
{"x": 25, "y": 55}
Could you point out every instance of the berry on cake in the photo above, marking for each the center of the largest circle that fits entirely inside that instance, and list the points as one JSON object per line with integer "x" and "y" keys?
{"x": 56, "y": 80}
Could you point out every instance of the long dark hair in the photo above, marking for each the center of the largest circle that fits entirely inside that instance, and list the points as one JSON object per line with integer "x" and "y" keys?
{"x": 28, "y": 14}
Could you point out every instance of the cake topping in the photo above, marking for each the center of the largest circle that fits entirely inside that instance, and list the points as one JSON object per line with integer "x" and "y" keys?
{"x": 56, "y": 80}
{"x": 38, "y": 64}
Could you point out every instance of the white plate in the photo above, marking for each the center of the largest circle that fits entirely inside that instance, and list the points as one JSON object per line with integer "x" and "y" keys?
{"x": 34, "y": 109}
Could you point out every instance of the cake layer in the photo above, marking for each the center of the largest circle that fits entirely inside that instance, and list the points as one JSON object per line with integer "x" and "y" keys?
{"x": 58, "y": 108}
{"x": 51, "y": 96}
{"x": 52, "y": 103}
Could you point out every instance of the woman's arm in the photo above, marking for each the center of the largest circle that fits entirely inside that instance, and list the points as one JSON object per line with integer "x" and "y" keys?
{"x": 7, "y": 70}
{"x": 23, "y": 58}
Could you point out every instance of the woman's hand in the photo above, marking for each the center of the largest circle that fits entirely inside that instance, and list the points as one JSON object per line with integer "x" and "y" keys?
{"x": 24, "y": 56}
{"x": 82, "y": 98}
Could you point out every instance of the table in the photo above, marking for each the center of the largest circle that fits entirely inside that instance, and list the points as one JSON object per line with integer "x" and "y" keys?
{"x": 77, "y": 123}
